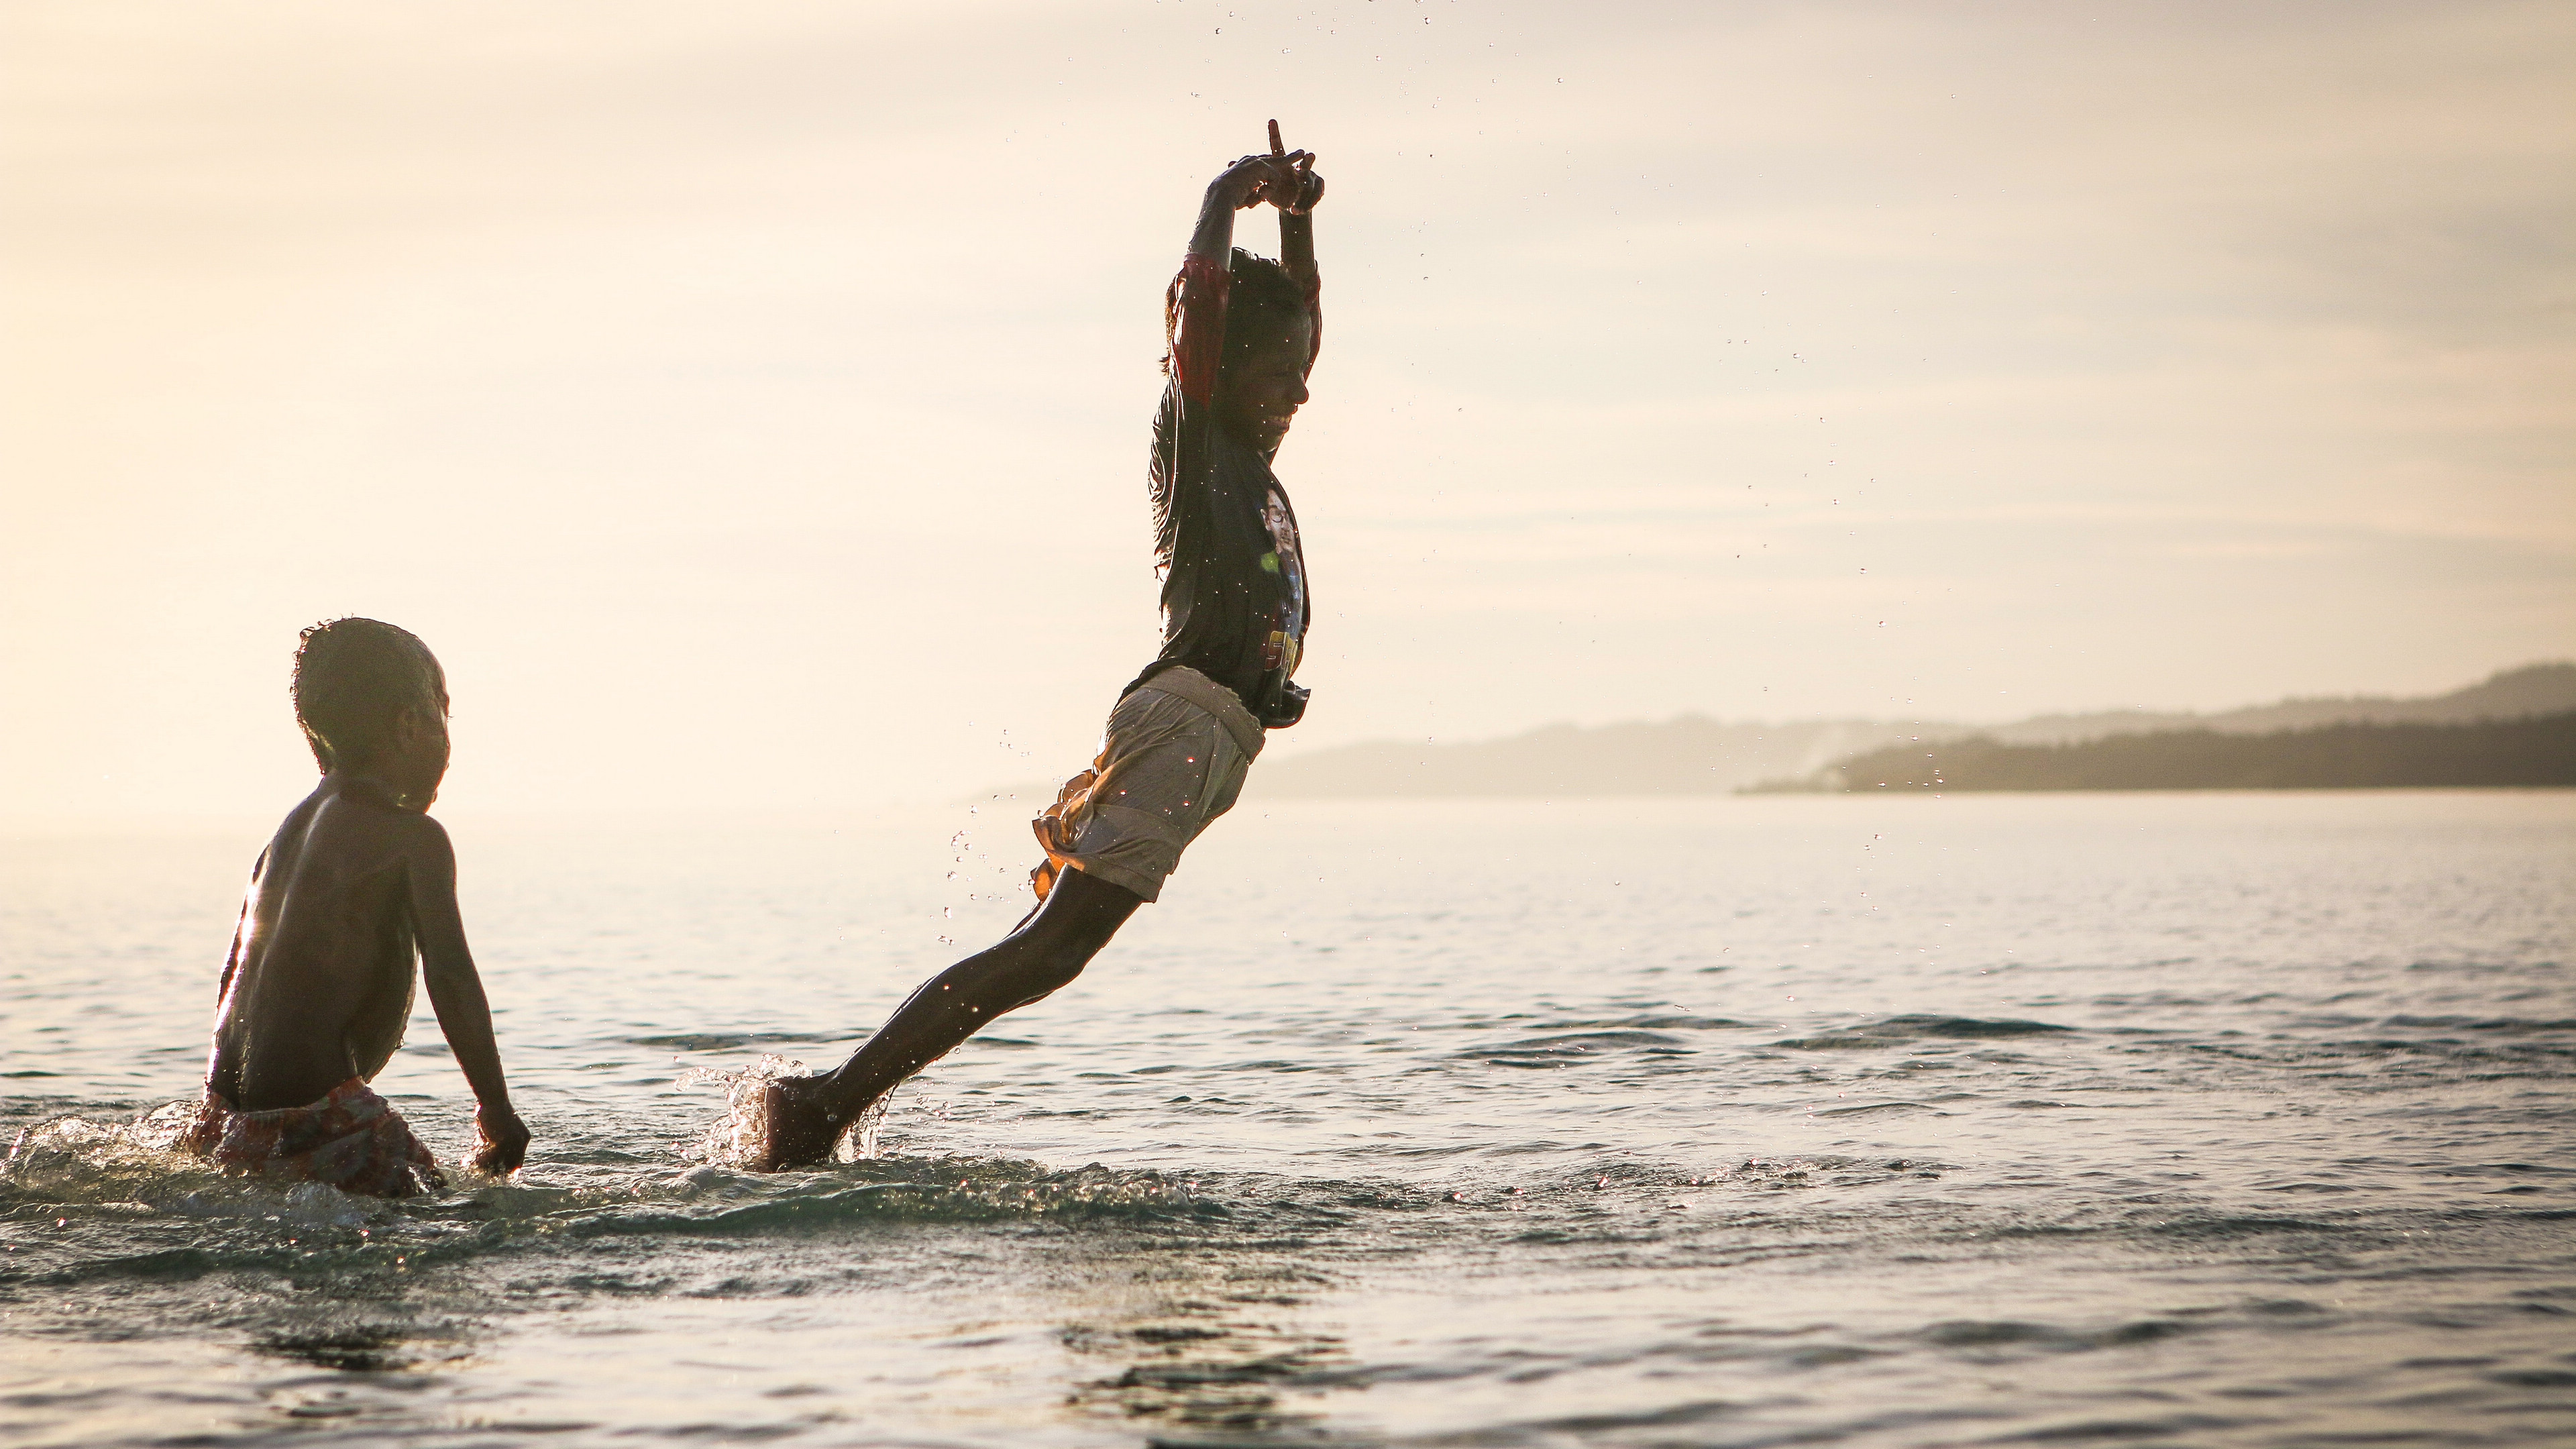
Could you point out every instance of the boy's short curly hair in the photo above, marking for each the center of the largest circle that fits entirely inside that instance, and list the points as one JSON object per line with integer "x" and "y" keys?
{"x": 353, "y": 677}
{"x": 1260, "y": 297}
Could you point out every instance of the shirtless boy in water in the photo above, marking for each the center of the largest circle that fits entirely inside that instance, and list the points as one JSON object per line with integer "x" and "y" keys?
{"x": 319, "y": 982}
{"x": 1243, "y": 332}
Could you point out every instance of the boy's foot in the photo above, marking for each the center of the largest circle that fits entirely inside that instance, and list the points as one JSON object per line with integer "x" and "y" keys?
{"x": 795, "y": 1128}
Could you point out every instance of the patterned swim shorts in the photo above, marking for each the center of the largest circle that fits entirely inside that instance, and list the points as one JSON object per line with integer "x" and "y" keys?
{"x": 352, "y": 1139}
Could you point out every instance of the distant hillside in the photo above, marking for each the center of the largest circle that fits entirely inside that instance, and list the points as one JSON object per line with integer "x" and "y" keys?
{"x": 2538, "y": 750}
{"x": 2514, "y": 694}
{"x": 1695, "y": 755}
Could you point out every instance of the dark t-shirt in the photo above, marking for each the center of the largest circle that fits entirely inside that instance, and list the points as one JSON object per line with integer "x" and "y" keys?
{"x": 1235, "y": 606}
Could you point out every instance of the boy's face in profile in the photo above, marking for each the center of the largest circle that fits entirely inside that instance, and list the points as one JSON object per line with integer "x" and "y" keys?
{"x": 1264, "y": 383}
{"x": 417, "y": 763}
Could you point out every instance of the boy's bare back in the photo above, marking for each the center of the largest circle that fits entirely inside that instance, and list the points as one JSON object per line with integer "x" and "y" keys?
{"x": 319, "y": 986}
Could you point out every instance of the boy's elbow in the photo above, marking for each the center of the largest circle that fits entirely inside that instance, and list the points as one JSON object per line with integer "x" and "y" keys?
{"x": 446, "y": 975}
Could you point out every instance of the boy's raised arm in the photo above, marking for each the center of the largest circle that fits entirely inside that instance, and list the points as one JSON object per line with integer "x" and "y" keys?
{"x": 456, "y": 994}
{"x": 1296, "y": 198}
{"x": 1297, "y": 248}
{"x": 1196, "y": 307}
{"x": 1297, "y": 240}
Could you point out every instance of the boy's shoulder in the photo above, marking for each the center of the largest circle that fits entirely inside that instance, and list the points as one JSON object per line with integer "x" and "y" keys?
{"x": 363, "y": 816}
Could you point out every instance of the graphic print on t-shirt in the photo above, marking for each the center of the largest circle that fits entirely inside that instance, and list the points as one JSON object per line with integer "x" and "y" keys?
{"x": 1281, "y": 649}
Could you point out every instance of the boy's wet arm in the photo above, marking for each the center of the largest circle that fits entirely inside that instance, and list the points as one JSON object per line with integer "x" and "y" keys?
{"x": 233, "y": 957}
{"x": 1297, "y": 254}
{"x": 456, "y": 990}
{"x": 241, "y": 929}
{"x": 1297, "y": 243}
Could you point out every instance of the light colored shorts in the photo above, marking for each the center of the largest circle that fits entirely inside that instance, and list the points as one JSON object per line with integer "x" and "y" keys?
{"x": 1174, "y": 758}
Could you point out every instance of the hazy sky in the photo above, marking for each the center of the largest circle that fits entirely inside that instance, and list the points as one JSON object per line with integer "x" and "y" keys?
{"x": 749, "y": 402}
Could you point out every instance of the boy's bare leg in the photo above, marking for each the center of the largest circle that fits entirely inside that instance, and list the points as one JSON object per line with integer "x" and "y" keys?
{"x": 804, "y": 1116}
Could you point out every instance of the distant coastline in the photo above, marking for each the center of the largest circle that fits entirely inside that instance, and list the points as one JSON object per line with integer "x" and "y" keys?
{"x": 2536, "y": 751}
{"x": 1694, "y": 755}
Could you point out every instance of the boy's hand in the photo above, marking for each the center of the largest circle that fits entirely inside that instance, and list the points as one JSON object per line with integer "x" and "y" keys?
{"x": 505, "y": 1141}
{"x": 1298, "y": 196}
{"x": 1308, "y": 191}
{"x": 1256, "y": 179}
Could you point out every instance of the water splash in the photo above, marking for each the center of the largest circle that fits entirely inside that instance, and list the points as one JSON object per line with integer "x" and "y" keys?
{"x": 78, "y": 1163}
{"x": 736, "y": 1138}
{"x": 76, "y": 1153}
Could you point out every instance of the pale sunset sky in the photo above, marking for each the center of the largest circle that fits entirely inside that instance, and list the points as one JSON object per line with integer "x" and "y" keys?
{"x": 749, "y": 402}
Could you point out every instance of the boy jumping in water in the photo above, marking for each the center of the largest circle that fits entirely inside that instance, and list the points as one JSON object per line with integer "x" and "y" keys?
{"x": 1243, "y": 332}
{"x": 319, "y": 982}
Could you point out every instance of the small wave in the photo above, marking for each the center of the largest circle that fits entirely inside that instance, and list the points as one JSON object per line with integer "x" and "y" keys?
{"x": 720, "y": 1041}
{"x": 2241, "y": 1227}
{"x": 2048, "y": 1337}
{"x": 2092, "y": 1430}
{"x": 1875, "y": 1035}
{"x": 1675, "y": 1416}
{"x": 2504, "y": 1055}
{"x": 2504, "y": 1024}
{"x": 1575, "y": 1048}
{"x": 926, "y": 1193}
{"x": 2536, "y": 1378}
{"x": 1869, "y": 1108}
{"x": 1969, "y": 1333}
{"x": 2502, "y": 1169}
{"x": 360, "y": 1347}
{"x": 1649, "y": 1022}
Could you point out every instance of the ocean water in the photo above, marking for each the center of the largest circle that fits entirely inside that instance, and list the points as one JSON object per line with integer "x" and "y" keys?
{"x": 2192, "y": 1119}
